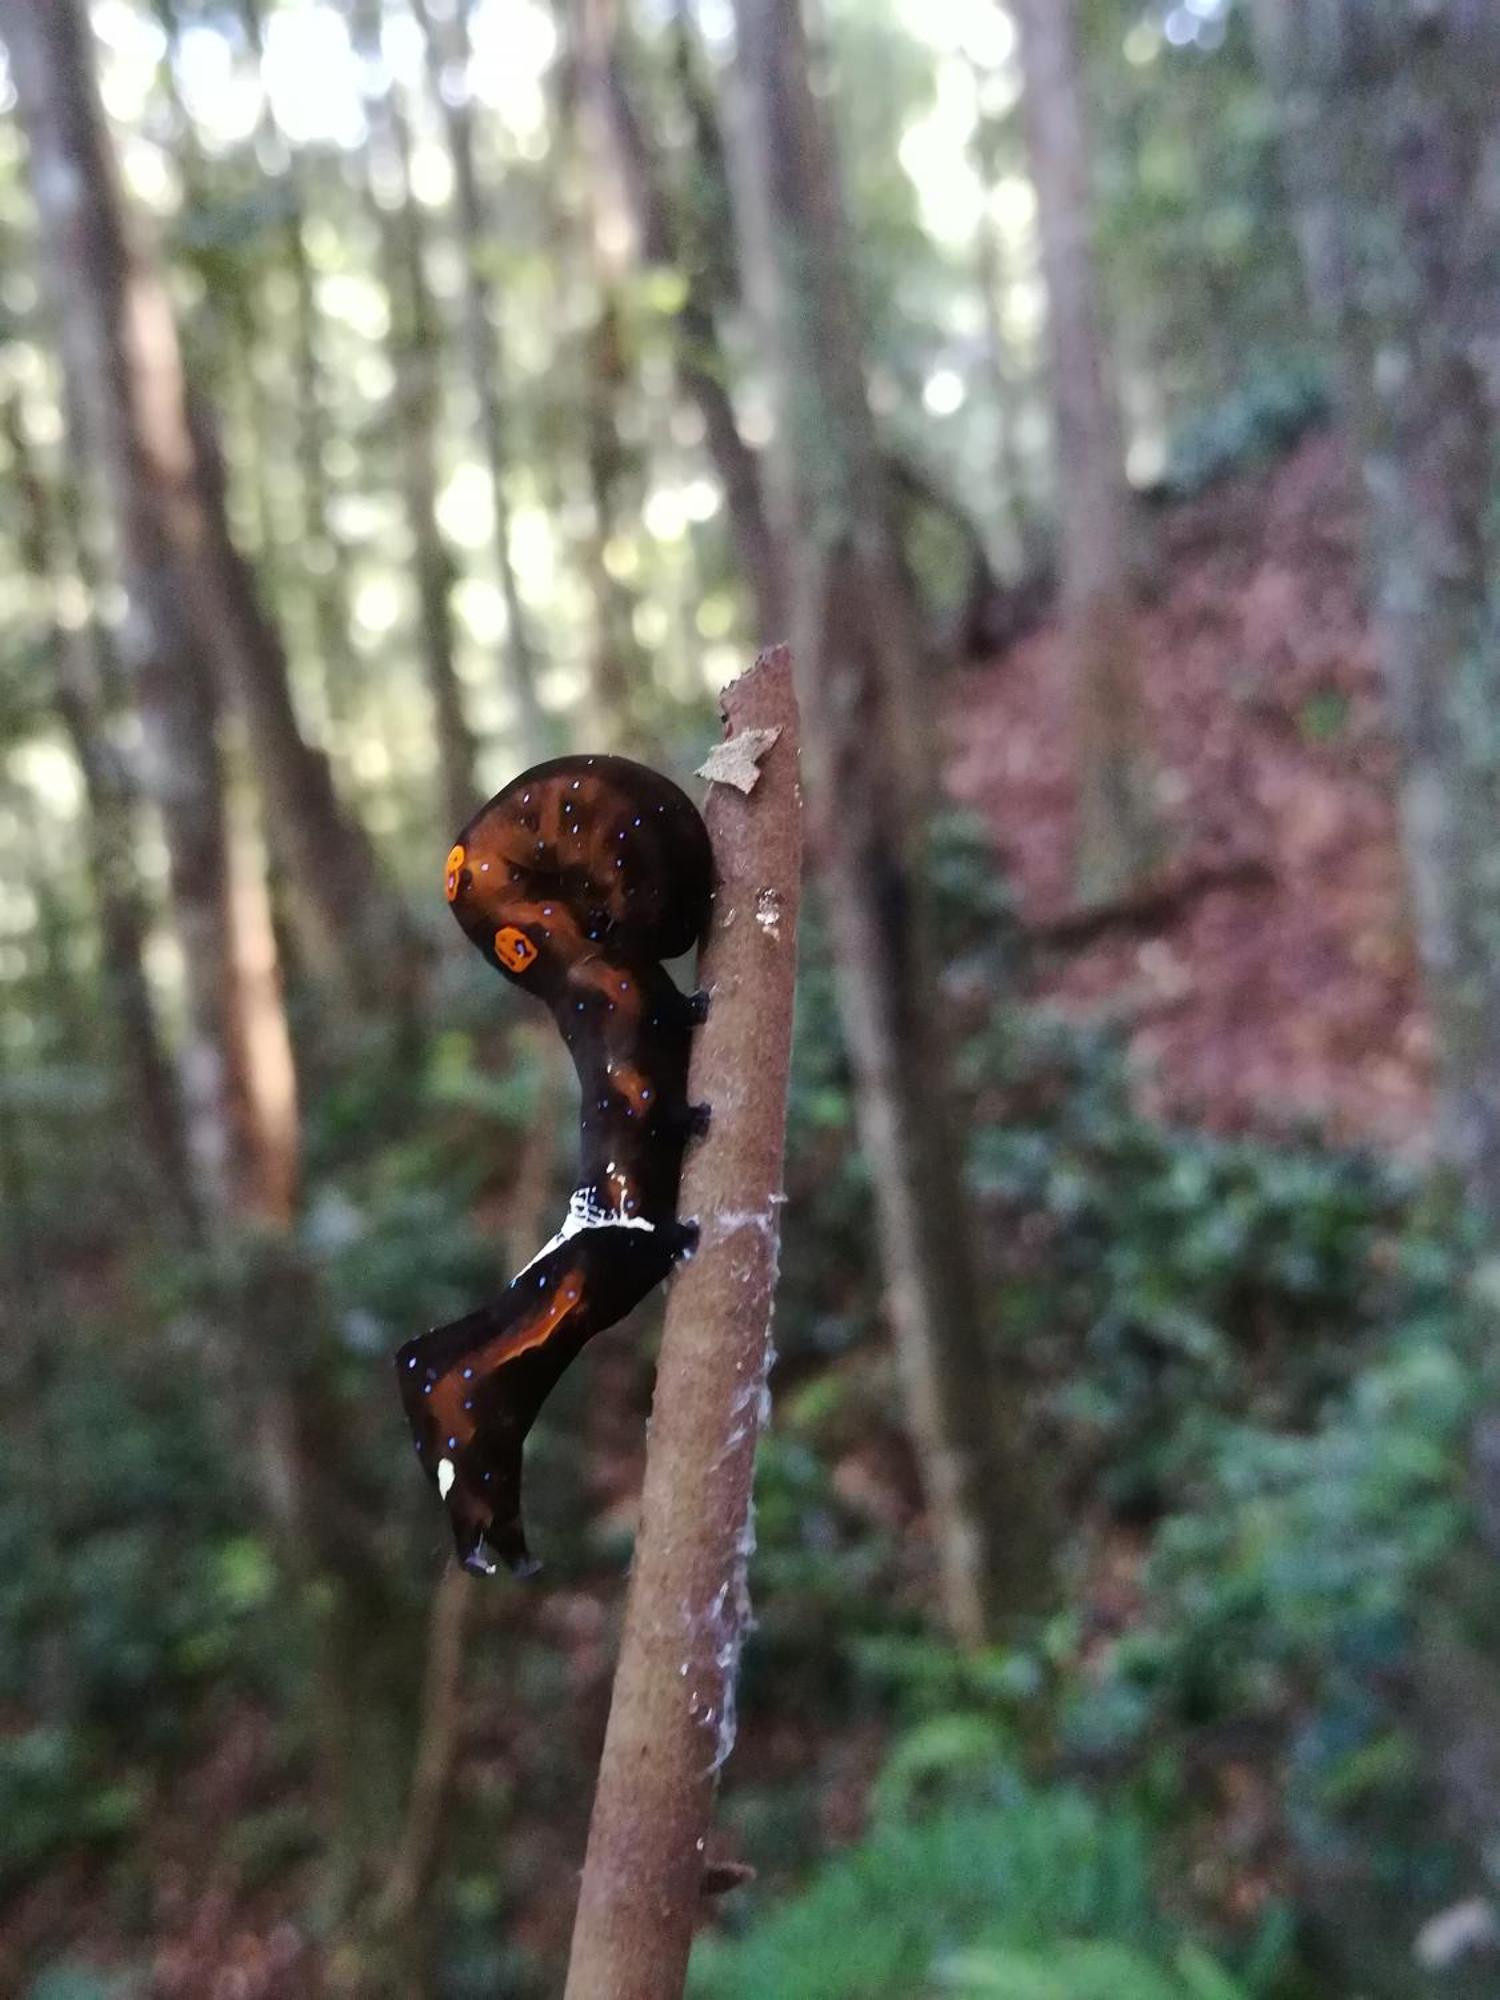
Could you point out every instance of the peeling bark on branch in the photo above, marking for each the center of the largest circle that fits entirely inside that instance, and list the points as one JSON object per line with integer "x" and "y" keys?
{"x": 671, "y": 1723}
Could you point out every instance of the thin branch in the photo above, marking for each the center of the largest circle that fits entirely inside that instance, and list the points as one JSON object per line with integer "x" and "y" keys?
{"x": 671, "y": 1723}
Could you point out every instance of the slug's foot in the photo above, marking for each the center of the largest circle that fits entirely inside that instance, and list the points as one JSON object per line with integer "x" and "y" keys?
{"x": 682, "y": 1239}
{"x": 697, "y": 1006}
{"x": 477, "y": 1549}
{"x": 693, "y": 1120}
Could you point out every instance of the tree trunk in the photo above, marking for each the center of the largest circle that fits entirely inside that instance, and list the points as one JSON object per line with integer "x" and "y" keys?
{"x": 124, "y": 379}
{"x": 187, "y": 592}
{"x": 1024, "y": 551}
{"x": 84, "y": 690}
{"x": 871, "y": 778}
{"x": 1392, "y": 131}
{"x": 448, "y": 60}
{"x": 618, "y": 666}
{"x": 120, "y": 353}
{"x": 325, "y": 557}
{"x": 414, "y": 347}
{"x": 698, "y": 357}
{"x": 1117, "y": 837}
{"x": 598, "y": 231}
{"x": 192, "y": 598}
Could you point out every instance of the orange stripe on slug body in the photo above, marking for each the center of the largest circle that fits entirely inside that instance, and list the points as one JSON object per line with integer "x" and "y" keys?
{"x": 455, "y": 861}
{"x": 451, "y": 1407}
{"x": 535, "y": 1332}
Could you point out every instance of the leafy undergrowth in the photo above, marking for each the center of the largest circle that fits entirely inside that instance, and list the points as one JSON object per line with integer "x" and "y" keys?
{"x": 1035, "y": 1894}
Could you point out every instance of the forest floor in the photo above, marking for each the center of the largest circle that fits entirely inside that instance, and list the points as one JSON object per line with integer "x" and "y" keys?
{"x": 1268, "y": 980}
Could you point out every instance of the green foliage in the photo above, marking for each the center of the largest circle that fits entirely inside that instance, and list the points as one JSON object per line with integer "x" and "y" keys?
{"x": 138, "y": 1554}
{"x": 1038, "y": 1880}
{"x": 129, "y": 1587}
{"x": 1301, "y": 1567}
{"x": 1084, "y": 1972}
{"x": 1186, "y": 1279}
{"x": 1192, "y": 223}
{"x": 51, "y": 1799}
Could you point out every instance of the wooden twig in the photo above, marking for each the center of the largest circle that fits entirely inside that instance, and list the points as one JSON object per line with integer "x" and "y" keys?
{"x": 671, "y": 1722}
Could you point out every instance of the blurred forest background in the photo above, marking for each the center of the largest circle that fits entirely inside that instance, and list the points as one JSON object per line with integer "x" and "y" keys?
{"x": 1102, "y": 396}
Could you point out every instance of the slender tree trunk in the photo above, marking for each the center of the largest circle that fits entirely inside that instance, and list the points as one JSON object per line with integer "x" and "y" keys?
{"x": 419, "y": 1855}
{"x": 448, "y": 62}
{"x": 1391, "y": 121}
{"x": 1023, "y": 547}
{"x": 1117, "y": 836}
{"x": 870, "y": 764}
{"x": 124, "y": 377}
{"x": 188, "y": 595}
{"x": 193, "y": 602}
{"x": 83, "y": 675}
{"x": 414, "y": 346}
{"x": 1391, "y": 135}
{"x": 699, "y": 361}
{"x": 349, "y": 922}
{"x": 324, "y": 554}
{"x": 618, "y": 665}
{"x": 120, "y": 352}
{"x": 599, "y": 229}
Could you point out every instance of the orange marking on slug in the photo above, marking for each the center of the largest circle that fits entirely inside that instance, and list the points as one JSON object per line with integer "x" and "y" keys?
{"x": 514, "y": 949}
{"x": 450, "y": 1418}
{"x": 537, "y": 1333}
{"x": 455, "y": 861}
